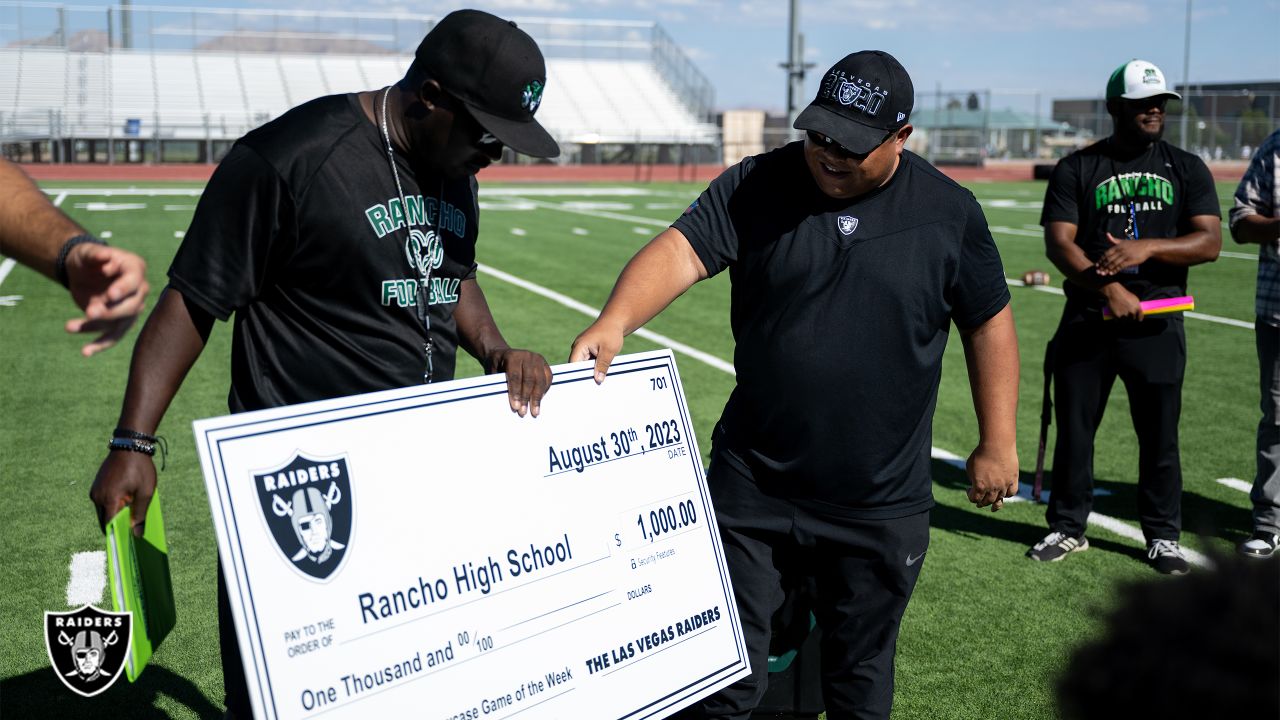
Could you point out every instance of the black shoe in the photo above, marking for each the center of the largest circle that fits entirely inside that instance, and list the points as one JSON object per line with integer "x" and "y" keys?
{"x": 1056, "y": 546}
{"x": 1260, "y": 545}
{"x": 1167, "y": 558}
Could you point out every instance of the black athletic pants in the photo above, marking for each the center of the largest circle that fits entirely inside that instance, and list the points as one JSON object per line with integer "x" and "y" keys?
{"x": 1150, "y": 358}
{"x": 865, "y": 571}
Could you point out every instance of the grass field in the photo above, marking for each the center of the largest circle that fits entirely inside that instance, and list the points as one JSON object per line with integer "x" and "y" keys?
{"x": 986, "y": 633}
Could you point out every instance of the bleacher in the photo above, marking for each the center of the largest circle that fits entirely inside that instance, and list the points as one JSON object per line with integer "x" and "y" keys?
{"x": 55, "y": 93}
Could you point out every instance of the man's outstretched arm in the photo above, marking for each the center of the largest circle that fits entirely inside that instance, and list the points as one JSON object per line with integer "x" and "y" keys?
{"x": 656, "y": 276}
{"x": 107, "y": 283}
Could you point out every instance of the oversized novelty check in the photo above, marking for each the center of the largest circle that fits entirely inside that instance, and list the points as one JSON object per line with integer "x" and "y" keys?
{"x": 425, "y": 551}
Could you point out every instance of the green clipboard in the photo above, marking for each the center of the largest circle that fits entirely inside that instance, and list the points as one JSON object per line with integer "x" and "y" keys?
{"x": 138, "y": 572}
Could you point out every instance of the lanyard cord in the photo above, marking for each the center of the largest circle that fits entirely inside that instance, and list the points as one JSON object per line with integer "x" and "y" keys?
{"x": 422, "y": 258}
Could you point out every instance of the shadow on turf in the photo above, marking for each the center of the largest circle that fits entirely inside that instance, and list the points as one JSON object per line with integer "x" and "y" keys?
{"x": 39, "y": 694}
{"x": 1201, "y": 516}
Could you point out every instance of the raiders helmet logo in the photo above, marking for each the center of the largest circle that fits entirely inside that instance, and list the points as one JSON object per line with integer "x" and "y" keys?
{"x": 88, "y": 648}
{"x": 307, "y": 505}
{"x": 847, "y": 224}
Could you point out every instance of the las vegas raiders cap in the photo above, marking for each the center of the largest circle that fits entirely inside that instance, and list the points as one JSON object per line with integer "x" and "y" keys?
{"x": 862, "y": 98}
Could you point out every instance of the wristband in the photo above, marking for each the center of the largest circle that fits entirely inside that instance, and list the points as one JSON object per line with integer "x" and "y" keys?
{"x": 137, "y": 446}
{"x": 128, "y": 434}
{"x": 60, "y": 265}
{"x": 133, "y": 441}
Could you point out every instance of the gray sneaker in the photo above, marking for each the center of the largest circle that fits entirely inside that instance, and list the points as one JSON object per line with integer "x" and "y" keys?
{"x": 1056, "y": 546}
{"x": 1260, "y": 545}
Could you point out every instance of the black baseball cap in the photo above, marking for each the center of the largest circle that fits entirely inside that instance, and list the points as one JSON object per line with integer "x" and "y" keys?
{"x": 862, "y": 98}
{"x": 498, "y": 73}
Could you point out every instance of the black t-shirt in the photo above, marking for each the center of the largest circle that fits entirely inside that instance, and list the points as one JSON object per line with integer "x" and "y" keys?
{"x": 1093, "y": 189}
{"x": 300, "y": 233}
{"x": 840, "y": 312}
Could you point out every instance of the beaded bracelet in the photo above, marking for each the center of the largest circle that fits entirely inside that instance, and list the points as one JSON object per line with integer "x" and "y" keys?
{"x": 134, "y": 441}
{"x": 60, "y": 265}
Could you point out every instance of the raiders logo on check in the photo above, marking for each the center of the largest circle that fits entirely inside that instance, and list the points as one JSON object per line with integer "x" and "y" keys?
{"x": 87, "y": 648}
{"x": 307, "y": 505}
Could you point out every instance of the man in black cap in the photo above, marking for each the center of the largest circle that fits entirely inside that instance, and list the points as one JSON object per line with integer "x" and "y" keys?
{"x": 850, "y": 257}
{"x": 342, "y": 236}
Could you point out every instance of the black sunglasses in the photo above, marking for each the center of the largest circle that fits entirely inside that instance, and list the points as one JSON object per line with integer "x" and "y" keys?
{"x": 1139, "y": 106}
{"x": 839, "y": 150}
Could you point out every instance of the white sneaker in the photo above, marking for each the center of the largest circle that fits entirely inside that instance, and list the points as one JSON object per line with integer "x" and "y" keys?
{"x": 1261, "y": 544}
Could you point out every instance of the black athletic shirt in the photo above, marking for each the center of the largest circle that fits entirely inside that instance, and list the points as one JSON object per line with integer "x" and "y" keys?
{"x": 300, "y": 234}
{"x": 840, "y": 312}
{"x": 1093, "y": 188}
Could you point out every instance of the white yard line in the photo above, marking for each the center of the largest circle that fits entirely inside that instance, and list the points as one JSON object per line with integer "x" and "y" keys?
{"x": 1119, "y": 527}
{"x": 5, "y": 268}
{"x": 129, "y": 191}
{"x": 591, "y": 312}
{"x": 88, "y": 578}
{"x": 597, "y": 213}
{"x": 1236, "y": 484}
{"x": 57, "y": 201}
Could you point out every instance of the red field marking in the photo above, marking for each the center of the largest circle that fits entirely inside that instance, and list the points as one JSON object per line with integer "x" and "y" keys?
{"x": 1003, "y": 171}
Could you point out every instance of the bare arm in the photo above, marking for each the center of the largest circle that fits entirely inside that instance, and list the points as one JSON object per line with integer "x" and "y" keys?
{"x": 991, "y": 354}
{"x": 1201, "y": 245}
{"x": 1256, "y": 230}
{"x": 170, "y": 343}
{"x": 658, "y": 274}
{"x": 528, "y": 374}
{"x": 108, "y": 283}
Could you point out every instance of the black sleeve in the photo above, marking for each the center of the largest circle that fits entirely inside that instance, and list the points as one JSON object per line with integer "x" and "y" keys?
{"x": 707, "y": 223}
{"x": 1061, "y": 203}
{"x": 1201, "y": 193}
{"x": 980, "y": 290}
{"x": 242, "y": 231}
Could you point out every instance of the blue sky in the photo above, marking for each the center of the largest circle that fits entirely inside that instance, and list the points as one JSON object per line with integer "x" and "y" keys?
{"x": 1063, "y": 48}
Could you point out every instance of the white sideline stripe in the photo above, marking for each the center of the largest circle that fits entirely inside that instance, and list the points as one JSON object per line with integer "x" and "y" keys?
{"x": 1236, "y": 484}
{"x": 1115, "y": 525}
{"x": 5, "y": 268}
{"x": 1221, "y": 320}
{"x": 593, "y": 313}
{"x": 1238, "y": 256}
{"x": 599, "y": 213}
{"x": 518, "y": 232}
{"x": 57, "y": 201}
{"x": 1119, "y": 527}
{"x": 1002, "y": 230}
{"x": 108, "y": 192}
{"x": 1191, "y": 314}
{"x": 88, "y": 578}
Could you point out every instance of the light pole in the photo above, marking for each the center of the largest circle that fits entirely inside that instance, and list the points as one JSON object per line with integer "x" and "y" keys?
{"x": 1186, "y": 76}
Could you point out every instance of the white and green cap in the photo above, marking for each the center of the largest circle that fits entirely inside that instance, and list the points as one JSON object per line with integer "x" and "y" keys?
{"x": 1138, "y": 80}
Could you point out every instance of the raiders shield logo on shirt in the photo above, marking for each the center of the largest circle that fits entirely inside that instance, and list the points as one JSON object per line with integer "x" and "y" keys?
{"x": 847, "y": 224}
{"x": 87, "y": 648}
{"x": 307, "y": 505}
